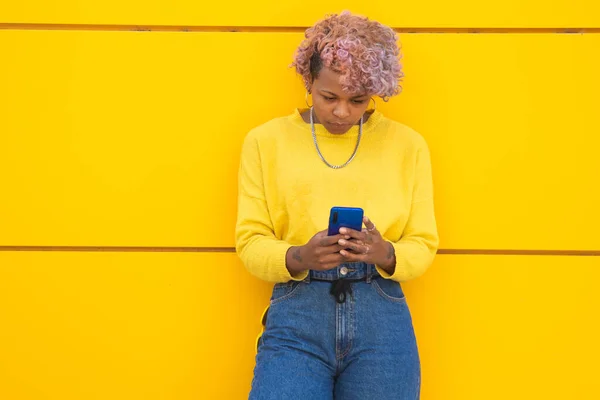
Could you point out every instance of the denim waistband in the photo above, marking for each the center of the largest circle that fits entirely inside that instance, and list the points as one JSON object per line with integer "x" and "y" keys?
{"x": 354, "y": 271}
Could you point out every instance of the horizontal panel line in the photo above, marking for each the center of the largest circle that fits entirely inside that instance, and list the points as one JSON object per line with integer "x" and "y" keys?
{"x": 502, "y": 252}
{"x": 154, "y": 249}
{"x": 122, "y": 249}
{"x": 260, "y": 29}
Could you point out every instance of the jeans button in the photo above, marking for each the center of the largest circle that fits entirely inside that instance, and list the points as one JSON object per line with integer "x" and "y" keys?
{"x": 343, "y": 271}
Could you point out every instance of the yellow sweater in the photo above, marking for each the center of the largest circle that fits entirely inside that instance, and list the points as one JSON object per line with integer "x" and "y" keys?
{"x": 286, "y": 191}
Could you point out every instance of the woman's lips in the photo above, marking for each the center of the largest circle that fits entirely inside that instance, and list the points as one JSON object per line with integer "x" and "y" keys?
{"x": 339, "y": 126}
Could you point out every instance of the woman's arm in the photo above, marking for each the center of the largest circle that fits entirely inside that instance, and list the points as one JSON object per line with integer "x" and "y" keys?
{"x": 261, "y": 252}
{"x": 416, "y": 249}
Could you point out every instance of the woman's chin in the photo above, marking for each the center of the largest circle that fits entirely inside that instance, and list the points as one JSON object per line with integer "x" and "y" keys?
{"x": 337, "y": 129}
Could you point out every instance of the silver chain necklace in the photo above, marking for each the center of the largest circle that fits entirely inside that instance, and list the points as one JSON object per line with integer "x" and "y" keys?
{"x": 312, "y": 128}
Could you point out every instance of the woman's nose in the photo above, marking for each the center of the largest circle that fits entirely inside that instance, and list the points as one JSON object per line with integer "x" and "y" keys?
{"x": 341, "y": 111}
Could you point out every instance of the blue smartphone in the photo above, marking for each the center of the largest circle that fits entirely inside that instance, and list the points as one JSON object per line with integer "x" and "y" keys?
{"x": 348, "y": 217}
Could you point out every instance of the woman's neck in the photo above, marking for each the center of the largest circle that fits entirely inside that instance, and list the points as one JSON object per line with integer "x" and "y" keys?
{"x": 306, "y": 117}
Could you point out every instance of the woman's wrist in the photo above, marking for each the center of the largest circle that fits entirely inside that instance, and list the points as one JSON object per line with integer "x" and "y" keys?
{"x": 388, "y": 263}
{"x": 293, "y": 260}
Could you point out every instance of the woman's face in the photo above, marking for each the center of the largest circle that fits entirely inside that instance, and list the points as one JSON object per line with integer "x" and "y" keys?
{"x": 334, "y": 108}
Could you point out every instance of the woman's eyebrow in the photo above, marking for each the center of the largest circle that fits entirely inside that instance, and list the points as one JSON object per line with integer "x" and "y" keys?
{"x": 355, "y": 97}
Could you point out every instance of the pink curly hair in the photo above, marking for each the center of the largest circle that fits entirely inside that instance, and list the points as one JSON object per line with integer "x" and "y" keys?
{"x": 365, "y": 53}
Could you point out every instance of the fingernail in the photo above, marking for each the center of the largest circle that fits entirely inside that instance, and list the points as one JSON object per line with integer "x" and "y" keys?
{"x": 342, "y": 242}
{"x": 347, "y": 236}
{"x": 343, "y": 230}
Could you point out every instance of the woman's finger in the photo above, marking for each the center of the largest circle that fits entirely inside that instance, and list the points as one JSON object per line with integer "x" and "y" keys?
{"x": 349, "y": 256}
{"x": 325, "y": 240}
{"x": 357, "y": 248}
{"x": 370, "y": 226}
{"x": 333, "y": 259}
{"x": 353, "y": 233}
{"x": 334, "y": 248}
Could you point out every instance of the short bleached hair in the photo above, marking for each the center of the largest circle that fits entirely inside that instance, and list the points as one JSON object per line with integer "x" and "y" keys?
{"x": 365, "y": 53}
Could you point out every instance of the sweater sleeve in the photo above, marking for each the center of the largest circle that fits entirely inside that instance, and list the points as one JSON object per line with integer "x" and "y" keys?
{"x": 261, "y": 252}
{"x": 419, "y": 242}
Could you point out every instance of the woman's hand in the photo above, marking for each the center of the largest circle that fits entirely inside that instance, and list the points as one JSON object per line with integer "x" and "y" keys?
{"x": 368, "y": 246}
{"x": 321, "y": 253}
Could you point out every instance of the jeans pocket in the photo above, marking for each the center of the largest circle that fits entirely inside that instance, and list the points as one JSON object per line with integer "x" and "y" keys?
{"x": 284, "y": 291}
{"x": 389, "y": 289}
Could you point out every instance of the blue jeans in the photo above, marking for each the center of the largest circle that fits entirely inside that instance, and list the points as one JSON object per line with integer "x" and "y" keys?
{"x": 316, "y": 347}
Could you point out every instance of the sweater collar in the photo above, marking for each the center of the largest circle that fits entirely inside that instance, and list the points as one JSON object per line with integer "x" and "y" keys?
{"x": 375, "y": 118}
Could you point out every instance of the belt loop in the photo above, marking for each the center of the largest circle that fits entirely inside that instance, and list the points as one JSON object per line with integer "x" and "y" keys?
{"x": 368, "y": 273}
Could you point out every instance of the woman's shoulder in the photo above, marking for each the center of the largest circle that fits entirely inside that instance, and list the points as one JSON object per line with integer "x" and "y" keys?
{"x": 271, "y": 128}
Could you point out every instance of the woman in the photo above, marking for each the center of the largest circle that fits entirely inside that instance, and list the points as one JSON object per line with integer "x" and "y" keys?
{"x": 338, "y": 325}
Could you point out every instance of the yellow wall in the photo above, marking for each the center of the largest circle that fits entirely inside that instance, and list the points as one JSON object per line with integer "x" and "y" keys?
{"x": 113, "y": 137}
{"x": 261, "y": 13}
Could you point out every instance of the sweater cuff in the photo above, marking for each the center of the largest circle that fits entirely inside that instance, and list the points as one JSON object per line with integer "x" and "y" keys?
{"x": 383, "y": 272}
{"x": 284, "y": 273}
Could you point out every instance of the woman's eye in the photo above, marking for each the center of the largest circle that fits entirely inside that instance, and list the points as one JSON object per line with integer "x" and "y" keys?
{"x": 353, "y": 101}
